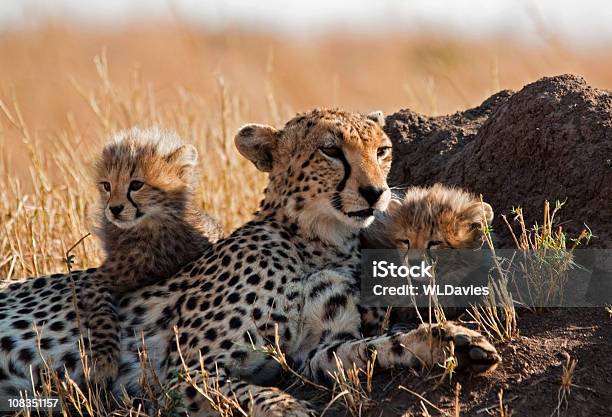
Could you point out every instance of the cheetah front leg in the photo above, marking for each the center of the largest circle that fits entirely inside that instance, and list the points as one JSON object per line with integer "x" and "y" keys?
{"x": 100, "y": 327}
{"x": 333, "y": 315}
{"x": 425, "y": 346}
{"x": 376, "y": 321}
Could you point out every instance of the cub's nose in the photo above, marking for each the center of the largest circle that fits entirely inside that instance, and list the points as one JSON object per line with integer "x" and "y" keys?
{"x": 116, "y": 210}
{"x": 371, "y": 194}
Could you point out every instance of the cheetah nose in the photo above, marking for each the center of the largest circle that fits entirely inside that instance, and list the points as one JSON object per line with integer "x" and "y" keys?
{"x": 116, "y": 210}
{"x": 371, "y": 194}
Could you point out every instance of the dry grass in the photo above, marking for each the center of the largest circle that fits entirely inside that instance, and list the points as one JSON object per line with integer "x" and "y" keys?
{"x": 457, "y": 402}
{"x": 349, "y": 386}
{"x": 48, "y": 202}
{"x": 63, "y": 90}
{"x": 496, "y": 314}
{"x": 534, "y": 277}
{"x": 566, "y": 384}
{"x": 545, "y": 257}
{"x": 503, "y": 408}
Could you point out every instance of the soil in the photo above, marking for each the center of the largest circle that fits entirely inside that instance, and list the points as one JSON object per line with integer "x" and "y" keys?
{"x": 530, "y": 374}
{"x": 552, "y": 140}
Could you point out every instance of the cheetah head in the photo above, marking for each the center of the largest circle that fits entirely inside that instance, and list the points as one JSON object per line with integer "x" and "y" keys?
{"x": 441, "y": 223}
{"x": 327, "y": 169}
{"x": 144, "y": 176}
{"x": 436, "y": 217}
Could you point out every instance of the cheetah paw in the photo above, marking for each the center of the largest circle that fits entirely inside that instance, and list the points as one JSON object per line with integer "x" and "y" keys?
{"x": 472, "y": 350}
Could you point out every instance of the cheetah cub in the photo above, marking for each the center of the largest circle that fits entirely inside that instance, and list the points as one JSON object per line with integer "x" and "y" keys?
{"x": 149, "y": 226}
{"x": 439, "y": 216}
{"x": 428, "y": 219}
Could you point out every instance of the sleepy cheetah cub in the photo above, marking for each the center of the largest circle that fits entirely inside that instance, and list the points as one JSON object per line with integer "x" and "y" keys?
{"x": 439, "y": 216}
{"x": 427, "y": 219}
{"x": 149, "y": 228}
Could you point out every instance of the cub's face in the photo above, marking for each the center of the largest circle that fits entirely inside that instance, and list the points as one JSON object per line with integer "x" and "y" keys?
{"x": 432, "y": 218}
{"x": 137, "y": 184}
{"x": 124, "y": 207}
{"x": 327, "y": 167}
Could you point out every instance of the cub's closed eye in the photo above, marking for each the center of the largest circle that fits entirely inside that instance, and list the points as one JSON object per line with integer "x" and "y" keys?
{"x": 331, "y": 151}
{"x": 433, "y": 243}
{"x": 136, "y": 185}
{"x": 106, "y": 185}
{"x": 383, "y": 152}
{"x": 405, "y": 242}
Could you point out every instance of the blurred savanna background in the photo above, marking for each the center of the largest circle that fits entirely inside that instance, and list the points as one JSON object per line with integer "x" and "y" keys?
{"x": 73, "y": 71}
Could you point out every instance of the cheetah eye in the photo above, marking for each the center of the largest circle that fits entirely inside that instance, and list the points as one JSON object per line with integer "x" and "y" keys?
{"x": 383, "y": 152}
{"x": 433, "y": 243}
{"x": 136, "y": 185}
{"x": 106, "y": 185}
{"x": 405, "y": 242}
{"x": 331, "y": 151}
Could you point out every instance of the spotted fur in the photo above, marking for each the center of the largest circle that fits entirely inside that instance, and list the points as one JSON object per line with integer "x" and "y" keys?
{"x": 291, "y": 271}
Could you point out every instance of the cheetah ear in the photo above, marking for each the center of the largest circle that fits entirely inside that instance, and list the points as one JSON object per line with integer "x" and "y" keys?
{"x": 379, "y": 234}
{"x": 185, "y": 157}
{"x": 377, "y": 116}
{"x": 478, "y": 213}
{"x": 257, "y": 143}
{"x": 394, "y": 205}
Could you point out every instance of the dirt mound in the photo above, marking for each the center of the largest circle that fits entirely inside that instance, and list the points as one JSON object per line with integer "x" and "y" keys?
{"x": 530, "y": 375}
{"x": 552, "y": 140}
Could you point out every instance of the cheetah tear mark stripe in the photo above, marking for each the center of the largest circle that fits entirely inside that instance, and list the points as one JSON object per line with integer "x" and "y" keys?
{"x": 138, "y": 212}
{"x": 129, "y": 197}
{"x": 337, "y": 199}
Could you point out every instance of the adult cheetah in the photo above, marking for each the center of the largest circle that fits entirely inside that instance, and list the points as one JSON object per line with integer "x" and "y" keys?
{"x": 291, "y": 270}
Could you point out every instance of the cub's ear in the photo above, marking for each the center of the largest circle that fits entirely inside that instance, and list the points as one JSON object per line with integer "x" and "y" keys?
{"x": 379, "y": 235}
{"x": 186, "y": 157}
{"x": 377, "y": 116}
{"x": 477, "y": 213}
{"x": 257, "y": 143}
{"x": 394, "y": 205}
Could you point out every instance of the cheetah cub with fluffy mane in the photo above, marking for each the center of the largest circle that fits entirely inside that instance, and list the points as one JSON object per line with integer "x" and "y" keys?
{"x": 439, "y": 216}
{"x": 426, "y": 218}
{"x": 149, "y": 227}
